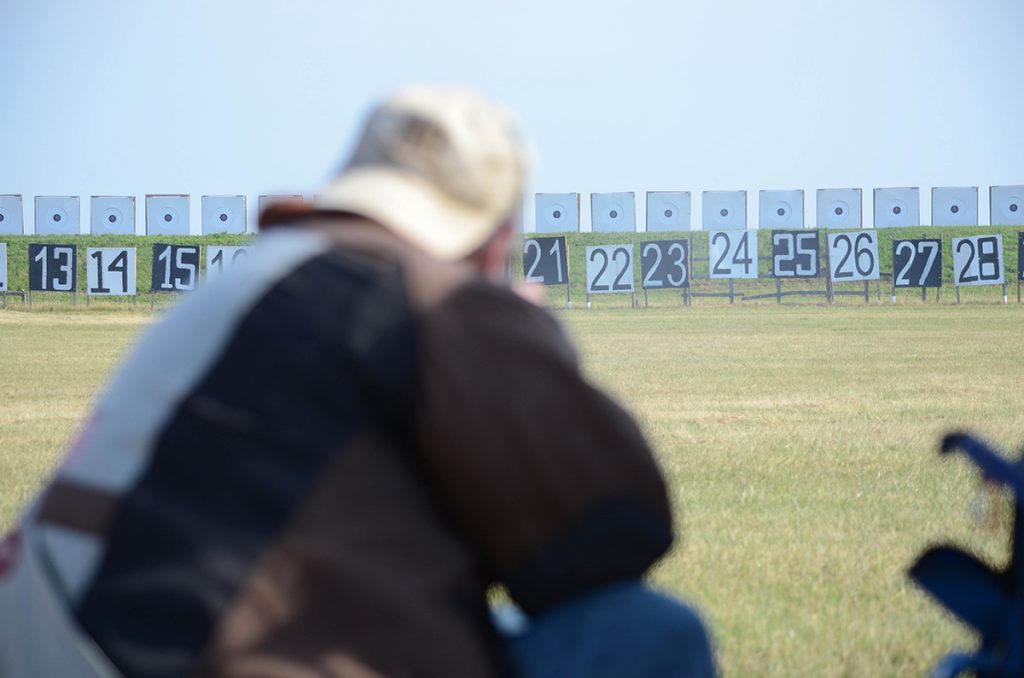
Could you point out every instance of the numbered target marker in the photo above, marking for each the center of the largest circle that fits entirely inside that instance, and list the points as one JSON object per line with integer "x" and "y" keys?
{"x": 612, "y": 212}
{"x": 11, "y": 215}
{"x": 732, "y": 254}
{"x": 57, "y": 215}
{"x": 112, "y": 214}
{"x": 557, "y": 212}
{"x": 609, "y": 269}
{"x": 917, "y": 263}
{"x": 897, "y": 207}
{"x": 167, "y": 215}
{"x": 110, "y": 271}
{"x": 220, "y": 259}
{"x": 668, "y": 211}
{"x": 838, "y": 208}
{"x": 52, "y": 268}
{"x": 1006, "y": 205}
{"x": 955, "y": 206}
{"x": 978, "y": 260}
{"x": 724, "y": 210}
{"x": 665, "y": 264}
{"x": 223, "y": 214}
{"x": 545, "y": 261}
{"x": 780, "y": 209}
{"x": 3, "y": 267}
{"x": 795, "y": 254}
{"x": 853, "y": 256}
{"x": 175, "y": 267}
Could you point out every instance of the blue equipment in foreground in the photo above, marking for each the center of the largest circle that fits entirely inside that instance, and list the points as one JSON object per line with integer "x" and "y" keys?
{"x": 990, "y": 601}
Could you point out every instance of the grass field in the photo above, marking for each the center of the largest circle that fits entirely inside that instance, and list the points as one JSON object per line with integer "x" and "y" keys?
{"x": 799, "y": 442}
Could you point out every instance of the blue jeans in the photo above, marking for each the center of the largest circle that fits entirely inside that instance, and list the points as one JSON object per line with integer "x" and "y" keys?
{"x": 625, "y": 630}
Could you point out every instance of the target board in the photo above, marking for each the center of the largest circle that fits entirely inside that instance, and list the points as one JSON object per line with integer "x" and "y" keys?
{"x": 897, "y": 207}
{"x": 112, "y": 214}
{"x": 557, "y": 212}
{"x": 795, "y": 254}
{"x": 612, "y": 212}
{"x": 664, "y": 264}
{"x": 175, "y": 267}
{"x": 3, "y": 267}
{"x": 1006, "y": 205}
{"x": 545, "y": 261}
{"x": 780, "y": 209}
{"x": 57, "y": 214}
{"x": 917, "y": 263}
{"x": 110, "y": 271}
{"x": 978, "y": 260}
{"x": 609, "y": 269}
{"x": 732, "y": 254}
{"x": 220, "y": 259}
{"x": 167, "y": 214}
{"x": 668, "y": 211}
{"x": 955, "y": 206}
{"x": 11, "y": 215}
{"x": 853, "y": 256}
{"x": 223, "y": 214}
{"x": 52, "y": 268}
{"x": 838, "y": 208}
{"x": 724, "y": 210}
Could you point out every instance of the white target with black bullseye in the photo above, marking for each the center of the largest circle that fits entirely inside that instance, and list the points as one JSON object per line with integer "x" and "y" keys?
{"x": 665, "y": 264}
{"x": 978, "y": 260}
{"x": 955, "y": 206}
{"x": 12, "y": 220}
{"x": 668, "y": 211}
{"x": 1006, "y": 205}
{"x": 3, "y": 267}
{"x": 112, "y": 215}
{"x": 732, "y": 254}
{"x": 780, "y": 209}
{"x": 724, "y": 210}
{"x": 167, "y": 215}
{"x": 795, "y": 254}
{"x": 609, "y": 269}
{"x": 897, "y": 207}
{"x": 52, "y": 267}
{"x": 175, "y": 267}
{"x": 917, "y": 263}
{"x": 838, "y": 208}
{"x": 220, "y": 259}
{"x": 557, "y": 212}
{"x": 110, "y": 271}
{"x": 853, "y": 256}
{"x": 612, "y": 212}
{"x": 223, "y": 214}
{"x": 546, "y": 261}
{"x": 57, "y": 215}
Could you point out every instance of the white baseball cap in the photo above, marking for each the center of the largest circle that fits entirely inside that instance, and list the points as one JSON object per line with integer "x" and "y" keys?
{"x": 441, "y": 166}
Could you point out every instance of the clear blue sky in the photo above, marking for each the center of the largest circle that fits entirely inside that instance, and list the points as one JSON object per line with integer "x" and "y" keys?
{"x": 187, "y": 96}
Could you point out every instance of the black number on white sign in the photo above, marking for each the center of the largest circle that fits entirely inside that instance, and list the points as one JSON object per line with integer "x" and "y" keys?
{"x": 609, "y": 269}
{"x": 52, "y": 268}
{"x": 853, "y": 256}
{"x": 917, "y": 263}
{"x": 732, "y": 254}
{"x": 978, "y": 260}
{"x": 544, "y": 261}
{"x": 795, "y": 254}
{"x": 110, "y": 271}
{"x": 665, "y": 264}
{"x": 175, "y": 267}
{"x": 220, "y": 259}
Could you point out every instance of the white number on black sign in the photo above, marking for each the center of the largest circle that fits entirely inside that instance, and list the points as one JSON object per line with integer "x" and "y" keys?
{"x": 609, "y": 269}
{"x": 544, "y": 261}
{"x": 795, "y": 254}
{"x": 3, "y": 267}
{"x": 853, "y": 256}
{"x": 664, "y": 263}
{"x": 732, "y": 254}
{"x": 52, "y": 268}
{"x": 917, "y": 263}
{"x": 978, "y": 260}
{"x": 175, "y": 267}
{"x": 220, "y": 259}
{"x": 110, "y": 271}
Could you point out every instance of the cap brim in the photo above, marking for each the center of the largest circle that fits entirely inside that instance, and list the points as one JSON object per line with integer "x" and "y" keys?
{"x": 411, "y": 207}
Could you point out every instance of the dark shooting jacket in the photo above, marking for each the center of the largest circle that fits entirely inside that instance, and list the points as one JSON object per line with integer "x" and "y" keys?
{"x": 319, "y": 462}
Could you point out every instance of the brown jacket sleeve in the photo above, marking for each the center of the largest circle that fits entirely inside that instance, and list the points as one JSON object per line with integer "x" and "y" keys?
{"x": 549, "y": 479}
